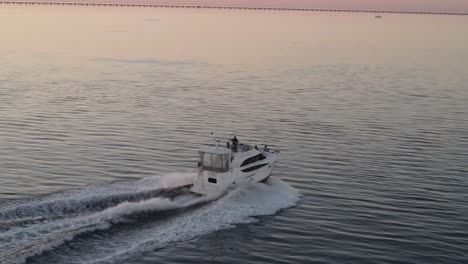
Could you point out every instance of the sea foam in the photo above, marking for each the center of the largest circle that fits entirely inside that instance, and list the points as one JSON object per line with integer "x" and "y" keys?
{"x": 199, "y": 215}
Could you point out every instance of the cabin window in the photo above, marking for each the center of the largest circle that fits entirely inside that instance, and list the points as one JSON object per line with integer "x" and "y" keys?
{"x": 256, "y": 167}
{"x": 212, "y": 180}
{"x": 214, "y": 162}
{"x": 253, "y": 159}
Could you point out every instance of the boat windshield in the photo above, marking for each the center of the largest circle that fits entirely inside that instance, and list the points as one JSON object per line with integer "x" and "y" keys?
{"x": 214, "y": 162}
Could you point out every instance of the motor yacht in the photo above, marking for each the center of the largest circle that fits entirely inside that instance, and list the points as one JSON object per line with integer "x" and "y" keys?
{"x": 221, "y": 168}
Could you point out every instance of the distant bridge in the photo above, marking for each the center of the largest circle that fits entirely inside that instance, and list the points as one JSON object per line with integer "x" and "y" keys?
{"x": 225, "y": 7}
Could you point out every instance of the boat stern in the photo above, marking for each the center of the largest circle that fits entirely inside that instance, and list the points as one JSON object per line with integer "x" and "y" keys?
{"x": 213, "y": 164}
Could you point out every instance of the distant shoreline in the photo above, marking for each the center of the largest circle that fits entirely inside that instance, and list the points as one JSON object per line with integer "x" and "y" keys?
{"x": 229, "y": 8}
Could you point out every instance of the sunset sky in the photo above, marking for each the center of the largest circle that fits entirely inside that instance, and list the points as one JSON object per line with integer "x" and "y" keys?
{"x": 401, "y": 5}
{"x": 435, "y": 5}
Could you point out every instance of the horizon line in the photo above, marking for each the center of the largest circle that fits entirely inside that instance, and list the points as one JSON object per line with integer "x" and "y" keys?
{"x": 77, "y": 3}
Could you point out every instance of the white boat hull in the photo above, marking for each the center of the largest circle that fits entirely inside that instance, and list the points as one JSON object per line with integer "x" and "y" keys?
{"x": 214, "y": 183}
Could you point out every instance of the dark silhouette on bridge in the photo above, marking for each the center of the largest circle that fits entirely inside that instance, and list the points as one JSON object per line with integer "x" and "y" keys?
{"x": 226, "y": 7}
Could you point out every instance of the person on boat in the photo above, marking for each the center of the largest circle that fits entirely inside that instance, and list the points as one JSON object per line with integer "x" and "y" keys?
{"x": 266, "y": 149}
{"x": 235, "y": 144}
{"x": 228, "y": 145}
{"x": 256, "y": 148}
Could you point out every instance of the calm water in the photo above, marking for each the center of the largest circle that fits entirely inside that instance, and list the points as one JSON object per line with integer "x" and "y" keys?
{"x": 102, "y": 110}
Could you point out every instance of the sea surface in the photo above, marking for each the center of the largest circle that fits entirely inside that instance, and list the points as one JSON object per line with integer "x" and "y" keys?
{"x": 102, "y": 111}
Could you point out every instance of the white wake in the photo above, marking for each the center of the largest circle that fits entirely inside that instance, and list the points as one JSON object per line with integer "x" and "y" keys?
{"x": 198, "y": 217}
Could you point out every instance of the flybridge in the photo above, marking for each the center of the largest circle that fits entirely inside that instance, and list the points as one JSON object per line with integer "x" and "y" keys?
{"x": 78, "y": 3}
